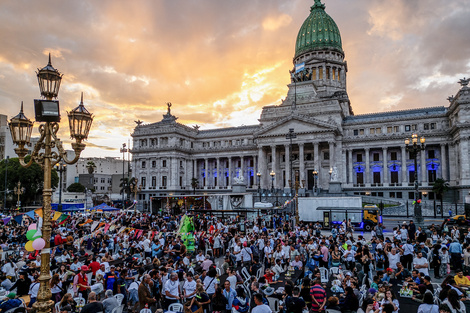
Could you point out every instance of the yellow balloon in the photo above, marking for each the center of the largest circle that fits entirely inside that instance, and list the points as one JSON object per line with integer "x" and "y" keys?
{"x": 29, "y": 246}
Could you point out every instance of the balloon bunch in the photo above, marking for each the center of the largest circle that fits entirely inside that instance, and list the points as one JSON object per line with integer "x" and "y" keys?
{"x": 35, "y": 242}
{"x": 417, "y": 201}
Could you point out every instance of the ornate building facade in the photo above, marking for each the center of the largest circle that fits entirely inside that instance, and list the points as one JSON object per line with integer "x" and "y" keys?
{"x": 366, "y": 152}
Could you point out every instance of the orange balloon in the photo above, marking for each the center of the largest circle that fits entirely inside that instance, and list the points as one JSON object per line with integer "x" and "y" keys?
{"x": 29, "y": 246}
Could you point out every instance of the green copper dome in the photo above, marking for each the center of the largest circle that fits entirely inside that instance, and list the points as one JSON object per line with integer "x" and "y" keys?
{"x": 318, "y": 32}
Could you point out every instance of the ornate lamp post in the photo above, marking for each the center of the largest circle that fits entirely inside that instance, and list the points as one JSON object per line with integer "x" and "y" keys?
{"x": 315, "y": 176}
{"x": 135, "y": 189}
{"x": 259, "y": 183}
{"x": 414, "y": 148}
{"x": 272, "y": 174}
{"x": 18, "y": 191}
{"x": 47, "y": 112}
{"x": 297, "y": 186}
{"x": 124, "y": 185}
{"x": 61, "y": 167}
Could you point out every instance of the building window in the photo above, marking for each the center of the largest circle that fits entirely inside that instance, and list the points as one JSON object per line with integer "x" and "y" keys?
{"x": 143, "y": 180}
{"x": 378, "y": 130}
{"x": 399, "y": 195}
{"x": 407, "y": 128}
{"x": 361, "y": 132}
{"x": 103, "y": 180}
{"x": 360, "y": 178}
{"x": 394, "y": 177}
{"x": 143, "y": 164}
{"x": 426, "y": 126}
{"x": 154, "y": 181}
{"x": 432, "y": 175}
{"x": 376, "y": 157}
{"x": 326, "y": 155}
{"x": 414, "y": 127}
{"x": 393, "y": 156}
{"x": 164, "y": 181}
{"x": 389, "y": 129}
{"x": 356, "y": 132}
{"x": 376, "y": 177}
{"x": 411, "y": 195}
{"x": 433, "y": 125}
{"x": 372, "y": 131}
{"x": 181, "y": 163}
{"x": 431, "y": 154}
{"x": 359, "y": 157}
{"x": 411, "y": 177}
{"x": 154, "y": 163}
{"x": 181, "y": 181}
{"x": 396, "y": 129}
{"x": 163, "y": 163}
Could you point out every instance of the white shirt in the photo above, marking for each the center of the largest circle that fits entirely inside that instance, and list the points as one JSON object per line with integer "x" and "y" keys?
{"x": 209, "y": 284}
{"x": 200, "y": 258}
{"x": 263, "y": 308}
{"x": 189, "y": 287}
{"x": 421, "y": 261}
{"x": 172, "y": 288}
{"x": 146, "y": 245}
{"x": 33, "y": 290}
{"x": 246, "y": 254}
{"x": 238, "y": 256}
{"x": 393, "y": 260}
{"x": 233, "y": 281}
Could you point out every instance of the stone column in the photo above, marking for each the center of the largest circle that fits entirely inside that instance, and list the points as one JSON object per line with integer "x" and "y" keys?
{"x": 350, "y": 166}
{"x": 229, "y": 172}
{"x": 404, "y": 169}
{"x": 367, "y": 169}
{"x": 443, "y": 162}
{"x": 316, "y": 162}
{"x": 424, "y": 171}
{"x": 332, "y": 154}
{"x": 385, "y": 165}
{"x": 301, "y": 162}
{"x": 206, "y": 170}
{"x": 242, "y": 168}
{"x": 464, "y": 161}
{"x": 287, "y": 165}
{"x": 453, "y": 162}
{"x": 218, "y": 173}
{"x": 344, "y": 172}
{"x": 274, "y": 165}
{"x": 262, "y": 167}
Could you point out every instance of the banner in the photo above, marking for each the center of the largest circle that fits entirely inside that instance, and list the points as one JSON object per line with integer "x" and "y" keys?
{"x": 93, "y": 226}
{"x": 30, "y": 214}
{"x": 6, "y": 220}
{"x": 106, "y": 227}
{"x": 38, "y": 212}
{"x": 56, "y": 216}
{"x": 299, "y": 67}
{"x": 19, "y": 218}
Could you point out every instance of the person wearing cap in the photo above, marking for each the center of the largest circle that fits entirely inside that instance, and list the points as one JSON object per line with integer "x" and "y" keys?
{"x": 110, "y": 278}
{"x": 80, "y": 282}
{"x": 102, "y": 270}
{"x": 10, "y": 303}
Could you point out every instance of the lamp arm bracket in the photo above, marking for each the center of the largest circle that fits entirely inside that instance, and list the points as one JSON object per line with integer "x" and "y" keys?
{"x": 77, "y": 146}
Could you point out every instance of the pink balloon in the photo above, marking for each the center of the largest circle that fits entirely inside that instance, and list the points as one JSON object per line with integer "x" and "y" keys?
{"x": 38, "y": 244}
{"x": 32, "y": 226}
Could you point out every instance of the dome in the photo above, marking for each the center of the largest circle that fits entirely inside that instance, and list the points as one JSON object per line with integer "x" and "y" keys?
{"x": 318, "y": 32}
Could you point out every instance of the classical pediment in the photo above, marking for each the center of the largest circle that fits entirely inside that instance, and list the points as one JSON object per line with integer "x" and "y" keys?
{"x": 300, "y": 124}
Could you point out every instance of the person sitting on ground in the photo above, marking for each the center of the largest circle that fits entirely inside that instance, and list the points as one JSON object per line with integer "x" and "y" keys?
{"x": 92, "y": 306}
{"x": 10, "y": 302}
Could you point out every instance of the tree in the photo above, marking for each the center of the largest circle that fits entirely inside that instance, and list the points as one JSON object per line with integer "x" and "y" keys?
{"x": 194, "y": 184}
{"x": 440, "y": 187}
{"x": 76, "y": 187}
{"x": 91, "y": 167}
{"x": 31, "y": 178}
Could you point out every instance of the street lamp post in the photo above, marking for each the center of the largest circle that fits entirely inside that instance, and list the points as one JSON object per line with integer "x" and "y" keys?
{"x": 297, "y": 186}
{"x": 290, "y": 135}
{"x": 272, "y": 174}
{"x": 60, "y": 168}
{"x": 315, "y": 176}
{"x": 135, "y": 189}
{"x": 48, "y": 113}
{"x": 259, "y": 184}
{"x": 6, "y": 188}
{"x": 414, "y": 148}
{"x": 18, "y": 191}
{"x": 124, "y": 185}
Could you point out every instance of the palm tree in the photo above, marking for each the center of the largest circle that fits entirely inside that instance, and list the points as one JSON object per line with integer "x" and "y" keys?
{"x": 194, "y": 184}
{"x": 440, "y": 187}
{"x": 91, "y": 167}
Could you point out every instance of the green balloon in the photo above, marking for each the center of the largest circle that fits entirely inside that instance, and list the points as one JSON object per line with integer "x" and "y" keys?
{"x": 35, "y": 237}
{"x": 30, "y": 234}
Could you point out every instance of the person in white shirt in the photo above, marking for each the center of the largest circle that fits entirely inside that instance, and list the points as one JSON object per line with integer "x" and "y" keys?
{"x": 171, "y": 290}
{"x": 247, "y": 255}
{"x": 421, "y": 264}
{"x": 147, "y": 245}
{"x": 189, "y": 287}
{"x": 101, "y": 271}
{"x": 200, "y": 257}
{"x": 260, "y": 306}
{"x": 10, "y": 269}
{"x": 33, "y": 290}
{"x": 76, "y": 265}
{"x": 232, "y": 278}
{"x": 393, "y": 258}
{"x": 237, "y": 252}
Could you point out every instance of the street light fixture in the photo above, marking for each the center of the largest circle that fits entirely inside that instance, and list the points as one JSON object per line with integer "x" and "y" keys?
{"x": 18, "y": 191}
{"x": 259, "y": 182}
{"x": 315, "y": 177}
{"x": 272, "y": 174}
{"x": 80, "y": 121}
{"x": 124, "y": 185}
{"x": 414, "y": 148}
{"x": 135, "y": 189}
{"x": 61, "y": 167}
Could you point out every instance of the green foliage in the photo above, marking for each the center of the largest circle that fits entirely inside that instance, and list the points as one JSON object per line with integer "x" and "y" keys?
{"x": 91, "y": 167}
{"x": 76, "y": 187}
{"x": 440, "y": 187}
{"x": 31, "y": 179}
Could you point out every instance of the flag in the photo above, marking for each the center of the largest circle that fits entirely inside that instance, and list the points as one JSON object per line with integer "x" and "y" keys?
{"x": 56, "y": 216}
{"x": 62, "y": 218}
{"x": 38, "y": 212}
{"x": 106, "y": 227}
{"x": 6, "y": 220}
{"x": 299, "y": 67}
{"x": 30, "y": 214}
{"x": 93, "y": 226}
{"x": 19, "y": 218}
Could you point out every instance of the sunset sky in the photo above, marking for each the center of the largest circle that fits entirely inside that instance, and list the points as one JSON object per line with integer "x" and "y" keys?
{"x": 220, "y": 61}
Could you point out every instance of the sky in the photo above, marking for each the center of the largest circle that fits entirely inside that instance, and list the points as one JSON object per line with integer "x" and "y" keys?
{"x": 220, "y": 61}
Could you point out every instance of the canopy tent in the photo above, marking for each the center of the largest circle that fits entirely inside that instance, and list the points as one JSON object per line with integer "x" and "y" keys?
{"x": 103, "y": 207}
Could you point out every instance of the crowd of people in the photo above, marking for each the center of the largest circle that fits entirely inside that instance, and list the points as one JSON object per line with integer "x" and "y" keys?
{"x": 143, "y": 264}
